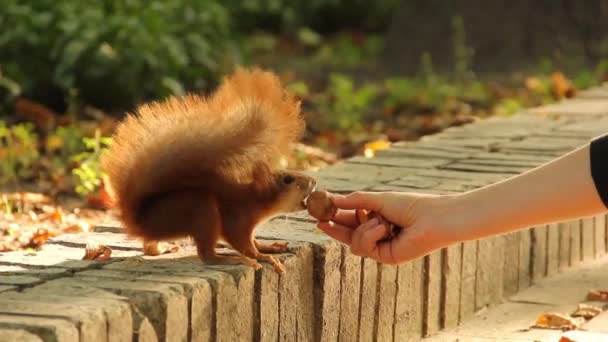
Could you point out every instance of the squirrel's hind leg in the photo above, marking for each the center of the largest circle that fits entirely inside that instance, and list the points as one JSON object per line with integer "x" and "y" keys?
{"x": 248, "y": 248}
{"x": 276, "y": 247}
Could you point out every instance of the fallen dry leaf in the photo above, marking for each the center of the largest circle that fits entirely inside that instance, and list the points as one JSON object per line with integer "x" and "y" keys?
{"x": 96, "y": 251}
{"x": 154, "y": 248}
{"x": 561, "y": 85}
{"x": 598, "y": 295}
{"x": 554, "y": 320}
{"x": 586, "y": 311}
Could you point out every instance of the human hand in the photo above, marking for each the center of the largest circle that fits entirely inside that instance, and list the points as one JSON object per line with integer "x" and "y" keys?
{"x": 421, "y": 217}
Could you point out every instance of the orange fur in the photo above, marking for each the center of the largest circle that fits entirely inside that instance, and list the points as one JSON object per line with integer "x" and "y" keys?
{"x": 235, "y": 136}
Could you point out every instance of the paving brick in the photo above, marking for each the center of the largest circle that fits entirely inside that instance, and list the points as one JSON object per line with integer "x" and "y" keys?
{"x": 361, "y": 172}
{"x": 40, "y": 273}
{"x": 600, "y": 235}
{"x": 564, "y": 244}
{"x": 327, "y": 291}
{"x": 340, "y": 185}
{"x": 513, "y": 157}
{"x": 122, "y": 316}
{"x": 100, "y": 317}
{"x": 350, "y": 288}
{"x": 576, "y": 106}
{"x": 11, "y": 335}
{"x": 553, "y": 237}
{"x": 461, "y": 166}
{"x": 409, "y": 303}
{"x": 369, "y": 297}
{"x": 484, "y": 273}
{"x": 452, "y": 266}
{"x": 19, "y": 280}
{"x": 397, "y": 162}
{"x": 112, "y": 240}
{"x": 5, "y": 288}
{"x": 433, "y": 280}
{"x": 539, "y": 253}
{"x": 588, "y": 238}
{"x": 421, "y": 152}
{"x": 576, "y": 249}
{"x": 525, "y": 258}
{"x": 468, "y": 275}
{"x": 387, "y": 291}
{"x": 164, "y": 304}
{"x": 511, "y": 264}
{"x": 288, "y": 300}
{"x": 48, "y": 329}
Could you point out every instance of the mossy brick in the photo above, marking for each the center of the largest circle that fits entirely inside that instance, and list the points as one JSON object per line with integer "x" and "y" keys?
{"x": 267, "y": 304}
{"x": 291, "y": 230}
{"x": 350, "y": 288}
{"x": 525, "y": 258}
{"x": 552, "y": 248}
{"x": 414, "y": 152}
{"x": 433, "y": 281}
{"x": 561, "y": 145}
{"x": 501, "y": 162}
{"x": 468, "y": 279}
{"x": 5, "y": 288}
{"x": 564, "y": 244}
{"x": 450, "y": 303}
{"x": 511, "y": 264}
{"x": 165, "y": 305}
{"x": 575, "y": 106}
{"x": 45, "y": 273}
{"x": 12, "y": 335}
{"x": 387, "y": 290}
{"x": 464, "y": 175}
{"x": 474, "y": 143}
{"x": 539, "y": 253}
{"x": 327, "y": 292}
{"x": 200, "y": 302}
{"x": 341, "y": 186}
{"x": 576, "y": 247}
{"x": 90, "y": 320}
{"x": 512, "y": 157}
{"x": 600, "y": 235}
{"x": 461, "y": 166}
{"x": 111, "y": 318}
{"x": 48, "y": 329}
{"x": 112, "y": 240}
{"x": 369, "y": 299}
{"x": 409, "y": 302}
{"x": 588, "y": 238}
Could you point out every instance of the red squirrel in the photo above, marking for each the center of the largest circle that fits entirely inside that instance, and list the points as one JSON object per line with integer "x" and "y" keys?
{"x": 208, "y": 167}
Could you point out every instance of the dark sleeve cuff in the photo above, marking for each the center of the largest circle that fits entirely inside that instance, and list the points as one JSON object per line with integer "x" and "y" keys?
{"x": 599, "y": 166}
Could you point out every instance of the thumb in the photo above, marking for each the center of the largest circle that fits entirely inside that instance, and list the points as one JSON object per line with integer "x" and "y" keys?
{"x": 358, "y": 200}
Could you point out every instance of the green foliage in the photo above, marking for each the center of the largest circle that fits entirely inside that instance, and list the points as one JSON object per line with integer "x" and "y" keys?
{"x": 116, "y": 53}
{"x": 18, "y": 151}
{"x": 88, "y": 175}
{"x": 344, "y": 105}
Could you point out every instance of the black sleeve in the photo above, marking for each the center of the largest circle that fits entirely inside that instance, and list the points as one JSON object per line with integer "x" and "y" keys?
{"x": 599, "y": 166}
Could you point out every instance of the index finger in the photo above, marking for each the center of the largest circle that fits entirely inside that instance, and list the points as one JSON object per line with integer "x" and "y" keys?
{"x": 358, "y": 200}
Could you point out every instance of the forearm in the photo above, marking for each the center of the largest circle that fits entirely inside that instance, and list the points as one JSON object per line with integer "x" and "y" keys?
{"x": 560, "y": 190}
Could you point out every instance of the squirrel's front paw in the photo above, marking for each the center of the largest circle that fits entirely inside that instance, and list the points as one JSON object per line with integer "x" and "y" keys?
{"x": 276, "y": 247}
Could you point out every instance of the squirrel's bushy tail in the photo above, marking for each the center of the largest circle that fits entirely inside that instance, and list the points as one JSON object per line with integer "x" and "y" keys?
{"x": 194, "y": 141}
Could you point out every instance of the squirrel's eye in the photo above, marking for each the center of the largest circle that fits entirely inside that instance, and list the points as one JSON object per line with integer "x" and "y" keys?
{"x": 288, "y": 179}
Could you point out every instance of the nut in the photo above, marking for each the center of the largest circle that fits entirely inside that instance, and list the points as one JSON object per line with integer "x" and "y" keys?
{"x": 320, "y": 206}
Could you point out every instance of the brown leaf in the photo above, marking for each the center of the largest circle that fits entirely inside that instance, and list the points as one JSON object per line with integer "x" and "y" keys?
{"x": 96, "y": 251}
{"x": 154, "y": 248}
{"x": 587, "y": 311}
{"x": 554, "y": 320}
{"x": 561, "y": 86}
{"x": 598, "y": 295}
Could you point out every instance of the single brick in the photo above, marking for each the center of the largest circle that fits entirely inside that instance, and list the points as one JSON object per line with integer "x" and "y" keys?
{"x": 306, "y": 306}
{"x": 498, "y": 260}
{"x": 21, "y": 335}
{"x": 41, "y": 273}
{"x": 539, "y": 253}
{"x": 460, "y": 166}
{"x": 288, "y": 300}
{"x": 409, "y": 303}
{"x": 350, "y": 270}
{"x": 452, "y": 265}
{"x": 5, "y": 288}
{"x": 588, "y": 238}
{"x": 387, "y": 290}
{"x": 600, "y": 235}
{"x": 525, "y": 259}
{"x": 485, "y": 270}
{"x": 48, "y": 329}
{"x": 511, "y": 264}
{"x": 267, "y": 302}
{"x": 553, "y": 237}
{"x": 576, "y": 250}
{"x": 468, "y": 279}
{"x": 368, "y": 304}
{"x": 564, "y": 244}
{"x": 200, "y": 302}
{"x": 433, "y": 278}
{"x": 327, "y": 291}
{"x": 19, "y": 280}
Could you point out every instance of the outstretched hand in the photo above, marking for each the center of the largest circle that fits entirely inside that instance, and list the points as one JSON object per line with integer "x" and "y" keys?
{"x": 416, "y": 213}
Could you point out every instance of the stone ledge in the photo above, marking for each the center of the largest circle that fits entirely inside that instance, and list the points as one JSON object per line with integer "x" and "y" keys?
{"x": 327, "y": 294}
